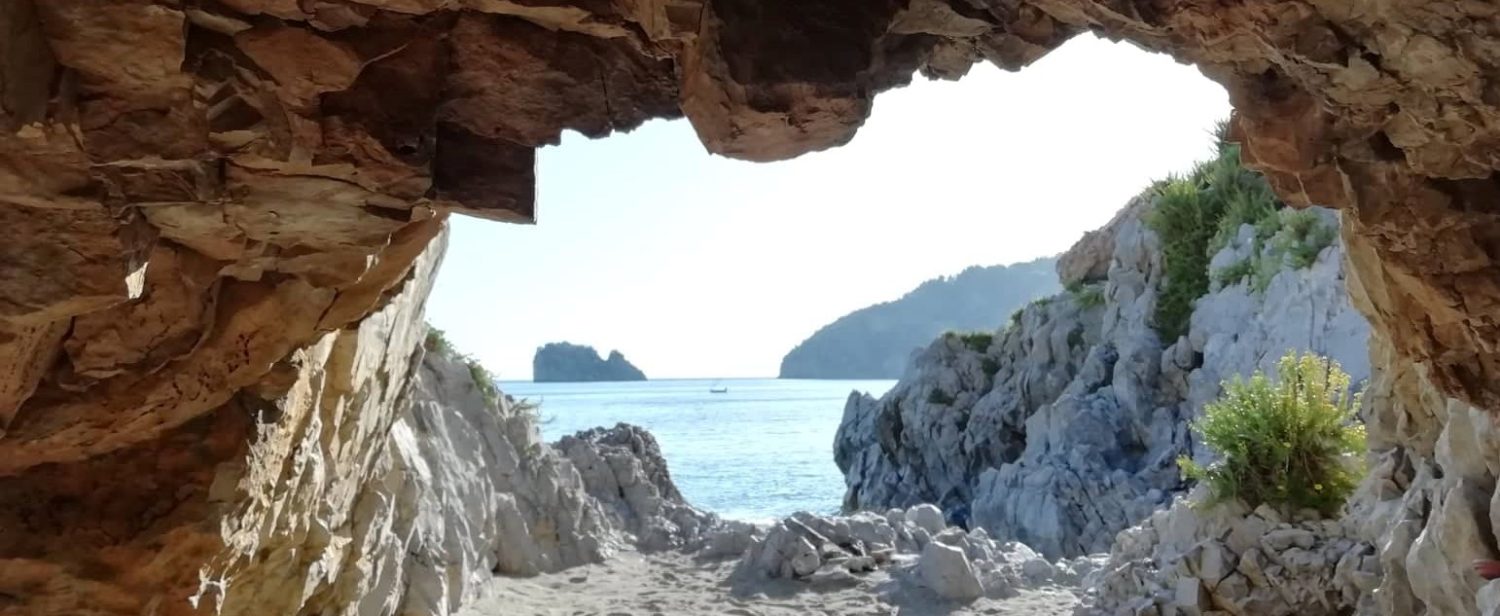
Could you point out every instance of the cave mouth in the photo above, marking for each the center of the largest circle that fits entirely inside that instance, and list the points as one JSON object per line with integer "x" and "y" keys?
{"x": 686, "y": 263}
{"x": 928, "y": 188}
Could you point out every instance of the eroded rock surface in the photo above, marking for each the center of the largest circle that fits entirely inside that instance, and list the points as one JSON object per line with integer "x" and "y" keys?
{"x": 296, "y": 137}
{"x": 623, "y": 470}
{"x": 1429, "y": 504}
{"x": 926, "y": 557}
{"x": 208, "y": 206}
{"x": 1064, "y": 428}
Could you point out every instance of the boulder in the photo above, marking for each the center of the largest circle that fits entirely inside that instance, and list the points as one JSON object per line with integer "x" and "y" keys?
{"x": 926, "y": 517}
{"x": 782, "y": 553}
{"x": 623, "y": 469}
{"x": 946, "y": 570}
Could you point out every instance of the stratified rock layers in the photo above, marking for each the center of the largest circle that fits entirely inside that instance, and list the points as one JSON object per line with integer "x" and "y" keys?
{"x": 209, "y": 214}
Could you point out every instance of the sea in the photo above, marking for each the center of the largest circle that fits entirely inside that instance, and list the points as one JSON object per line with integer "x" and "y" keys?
{"x": 757, "y": 452}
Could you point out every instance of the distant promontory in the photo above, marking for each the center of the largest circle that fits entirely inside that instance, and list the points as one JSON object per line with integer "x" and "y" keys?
{"x": 565, "y": 362}
{"x": 875, "y": 342}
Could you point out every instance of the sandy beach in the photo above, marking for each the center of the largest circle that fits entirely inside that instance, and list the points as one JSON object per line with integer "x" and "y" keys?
{"x": 670, "y": 583}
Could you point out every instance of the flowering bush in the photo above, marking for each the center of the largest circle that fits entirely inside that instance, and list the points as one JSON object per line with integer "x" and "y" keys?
{"x": 1292, "y": 442}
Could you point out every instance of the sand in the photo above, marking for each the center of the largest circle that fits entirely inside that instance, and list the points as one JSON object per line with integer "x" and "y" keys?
{"x": 635, "y": 584}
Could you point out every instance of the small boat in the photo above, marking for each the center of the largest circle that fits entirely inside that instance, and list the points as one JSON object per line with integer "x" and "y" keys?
{"x": 718, "y": 390}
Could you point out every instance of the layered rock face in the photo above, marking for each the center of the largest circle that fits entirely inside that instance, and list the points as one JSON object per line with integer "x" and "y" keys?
{"x": 153, "y": 487}
{"x": 363, "y": 475}
{"x": 294, "y": 138}
{"x": 1064, "y": 428}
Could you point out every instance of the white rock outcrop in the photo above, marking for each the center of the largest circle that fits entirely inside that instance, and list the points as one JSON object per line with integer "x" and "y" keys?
{"x": 390, "y": 482}
{"x": 1196, "y": 559}
{"x": 1063, "y": 429}
{"x": 383, "y": 480}
{"x": 1430, "y": 501}
{"x": 623, "y": 469}
{"x": 946, "y": 570}
{"x": 950, "y": 564}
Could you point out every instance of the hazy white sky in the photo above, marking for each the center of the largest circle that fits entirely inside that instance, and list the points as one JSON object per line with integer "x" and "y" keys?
{"x": 700, "y": 266}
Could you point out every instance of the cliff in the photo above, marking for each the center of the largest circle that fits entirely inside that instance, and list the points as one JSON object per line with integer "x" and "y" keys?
{"x": 1063, "y": 428}
{"x": 562, "y": 362}
{"x": 875, "y": 342}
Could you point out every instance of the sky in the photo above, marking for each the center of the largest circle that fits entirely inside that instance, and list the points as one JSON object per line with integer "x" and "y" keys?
{"x": 699, "y": 266}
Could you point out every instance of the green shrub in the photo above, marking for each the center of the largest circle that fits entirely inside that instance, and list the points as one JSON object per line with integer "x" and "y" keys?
{"x": 1185, "y": 221}
{"x": 438, "y": 344}
{"x": 1266, "y": 269}
{"x": 1246, "y": 208}
{"x": 1303, "y": 237}
{"x": 977, "y": 341}
{"x": 1235, "y": 273}
{"x": 1198, "y": 216}
{"x": 484, "y": 380}
{"x": 1296, "y": 237}
{"x": 938, "y": 396}
{"x": 1293, "y": 442}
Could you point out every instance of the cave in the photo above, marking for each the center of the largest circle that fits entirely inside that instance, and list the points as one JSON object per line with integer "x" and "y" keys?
{"x": 221, "y": 210}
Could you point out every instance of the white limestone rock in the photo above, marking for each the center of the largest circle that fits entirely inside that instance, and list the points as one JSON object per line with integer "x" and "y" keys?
{"x": 623, "y": 469}
{"x": 926, "y": 517}
{"x": 946, "y": 571}
{"x": 1181, "y": 561}
{"x": 1066, "y": 428}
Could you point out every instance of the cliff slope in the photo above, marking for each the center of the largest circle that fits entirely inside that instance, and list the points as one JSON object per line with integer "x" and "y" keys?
{"x": 875, "y": 342}
{"x": 563, "y": 362}
{"x": 1063, "y": 428}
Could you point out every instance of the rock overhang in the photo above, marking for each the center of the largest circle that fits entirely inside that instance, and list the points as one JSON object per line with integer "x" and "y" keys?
{"x": 315, "y": 142}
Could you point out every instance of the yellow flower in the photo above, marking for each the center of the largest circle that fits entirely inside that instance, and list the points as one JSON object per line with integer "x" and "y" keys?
{"x": 1318, "y": 487}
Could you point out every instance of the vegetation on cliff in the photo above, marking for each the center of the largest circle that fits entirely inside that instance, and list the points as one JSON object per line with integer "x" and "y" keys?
{"x": 1291, "y": 442}
{"x": 437, "y": 342}
{"x": 1198, "y": 215}
{"x": 876, "y": 341}
{"x": 565, "y": 362}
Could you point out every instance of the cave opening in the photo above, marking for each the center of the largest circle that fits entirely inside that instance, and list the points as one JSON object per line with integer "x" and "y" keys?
{"x": 712, "y": 270}
{"x": 214, "y": 273}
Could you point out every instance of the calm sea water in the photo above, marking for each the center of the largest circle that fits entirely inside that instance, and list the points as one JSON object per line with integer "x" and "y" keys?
{"x": 762, "y": 450}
